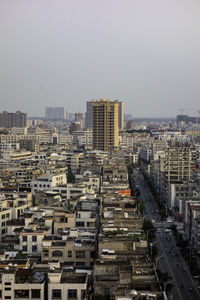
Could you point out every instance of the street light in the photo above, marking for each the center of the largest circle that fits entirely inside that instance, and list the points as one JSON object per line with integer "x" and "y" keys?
{"x": 150, "y": 244}
{"x": 152, "y": 229}
{"x": 167, "y": 283}
{"x": 157, "y": 258}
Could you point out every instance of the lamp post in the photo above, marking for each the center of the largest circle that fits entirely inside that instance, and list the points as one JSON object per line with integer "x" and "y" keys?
{"x": 150, "y": 244}
{"x": 157, "y": 258}
{"x": 152, "y": 229}
{"x": 167, "y": 283}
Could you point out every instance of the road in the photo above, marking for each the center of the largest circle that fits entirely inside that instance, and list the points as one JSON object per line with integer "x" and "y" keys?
{"x": 169, "y": 258}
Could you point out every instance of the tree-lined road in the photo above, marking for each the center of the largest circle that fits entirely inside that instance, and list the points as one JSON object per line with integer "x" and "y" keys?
{"x": 169, "y": 258}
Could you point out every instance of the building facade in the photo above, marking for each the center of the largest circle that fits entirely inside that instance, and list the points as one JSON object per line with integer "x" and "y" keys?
{"x": 105, "y": 125}
{"x": 55, "y": 113}
{"x": 9, "y": 120}
{"x": 88, "y": 115}
{"x": 121, "y": 115}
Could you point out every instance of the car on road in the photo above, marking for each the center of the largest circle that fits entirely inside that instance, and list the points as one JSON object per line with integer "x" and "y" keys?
{"x": 167, "y": 230}
{"x": 153, "y": 221}
{"x": 169, "y": 220}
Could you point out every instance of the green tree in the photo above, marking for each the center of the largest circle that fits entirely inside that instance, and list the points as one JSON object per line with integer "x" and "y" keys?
{"x": 70, "y": 176}
{"x": 20, "y": 255}
{"x": 147, "y": 225}
{"x": 141, "y": 207}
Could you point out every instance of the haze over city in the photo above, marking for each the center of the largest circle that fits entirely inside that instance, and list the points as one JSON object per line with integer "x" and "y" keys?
{"x": 64, "y": 53}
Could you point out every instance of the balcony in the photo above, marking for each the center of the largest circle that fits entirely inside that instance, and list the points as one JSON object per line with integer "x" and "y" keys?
{"x": 21, "y": 294}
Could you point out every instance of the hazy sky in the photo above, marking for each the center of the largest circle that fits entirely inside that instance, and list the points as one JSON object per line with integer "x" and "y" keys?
{"x": 66, "y": 52}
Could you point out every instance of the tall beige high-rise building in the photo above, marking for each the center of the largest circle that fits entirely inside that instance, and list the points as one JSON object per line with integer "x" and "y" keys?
{"x": 105, "y": 124}
{"x": 88, "y": 114}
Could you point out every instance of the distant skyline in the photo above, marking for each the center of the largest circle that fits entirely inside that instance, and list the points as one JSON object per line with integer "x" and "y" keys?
{"x": 64, "y": 53}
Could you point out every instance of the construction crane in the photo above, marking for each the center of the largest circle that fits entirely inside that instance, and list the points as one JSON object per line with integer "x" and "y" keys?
{"x": 180, "y": 111}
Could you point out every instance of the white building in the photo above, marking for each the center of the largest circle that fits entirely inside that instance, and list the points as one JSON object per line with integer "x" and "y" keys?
{"x": 48, "y": 182}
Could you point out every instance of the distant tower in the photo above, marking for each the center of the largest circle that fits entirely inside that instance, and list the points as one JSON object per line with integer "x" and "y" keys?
{"x": 49, "y": 113}
{"x": 105, "y": 124}
{"x": 55, "y": 113}
{"x": 60, "y": 113}
{"x": 88, "y": 115}
{"x": 79, "y": 118}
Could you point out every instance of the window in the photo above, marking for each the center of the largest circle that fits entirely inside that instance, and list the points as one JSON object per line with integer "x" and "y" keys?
{"x": 80, "y": 263}
{"x": 7, "y": 283}
{"x": 7, "y": 288}
{"x": 92, "y": 254}
{"x": 69, "y": 253}
{"x": 7, "y": 297}
{"x": 56, "y": 293}
{"x": 46, "y": 253}
{"x": 83, "y": 294}
{"x": 24, "y": 238}
{"x": 3, "y": 231}
{"x": 63, "y": 219}
{"x": 80, "y": 224}
{"x": 3, "y": 216}
{"x": 35, "y": 293}
{"x": 24, "y": 248}
{"x": 72, "y": 294}
{"x": 7, "y": 215}
{"x": 34, "y": 248}
{"x": 57, "y": 253}
{"x": 80, "y": 254}
{"x": 34, "y": 238}
{"x": 3, "y": 224}
{"x": 20, "y": 294}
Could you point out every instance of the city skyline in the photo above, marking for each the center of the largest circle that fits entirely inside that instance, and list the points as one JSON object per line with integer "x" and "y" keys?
{"x": 65, "y": 54}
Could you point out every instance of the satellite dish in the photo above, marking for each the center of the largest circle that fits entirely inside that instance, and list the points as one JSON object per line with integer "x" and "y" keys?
{"x": 133, "y": 293}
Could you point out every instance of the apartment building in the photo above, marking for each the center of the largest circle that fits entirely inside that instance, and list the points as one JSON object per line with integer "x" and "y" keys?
{"x": 67, "y": 285}
{"x": 31, "y": 240}
{"x": 21, "y": 283}
{"x": 9, "y": 120}
{"x": 63, "y": 221}
{"x": 105, "y": 125}
{"x": 48, "y": 182}
{"x": 79, "y": 251}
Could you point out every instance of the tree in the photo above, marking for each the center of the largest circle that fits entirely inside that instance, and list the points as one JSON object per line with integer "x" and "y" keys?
{"x": 70, "y": 176}
{"x": 20, "y": 255}
{"x": 147, "y": 225}
{"x": 141, "y": 207}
